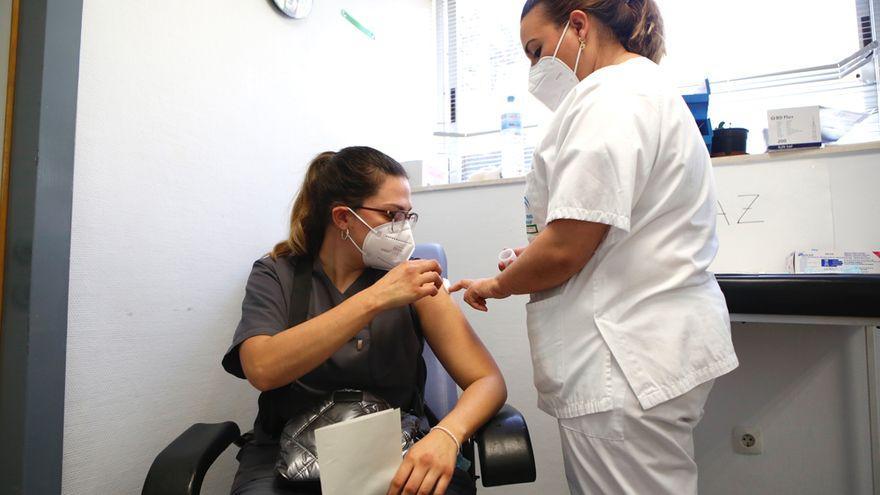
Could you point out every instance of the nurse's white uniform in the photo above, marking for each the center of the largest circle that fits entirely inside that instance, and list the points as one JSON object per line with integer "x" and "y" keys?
{"x": 626, "y": 351}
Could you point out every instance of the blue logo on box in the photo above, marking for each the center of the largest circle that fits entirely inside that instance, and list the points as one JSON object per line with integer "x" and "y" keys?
{"x": 831, "y": 262}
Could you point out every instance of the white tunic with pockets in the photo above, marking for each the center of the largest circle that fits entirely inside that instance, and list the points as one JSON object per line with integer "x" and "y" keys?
{"x": 623, "y": 150}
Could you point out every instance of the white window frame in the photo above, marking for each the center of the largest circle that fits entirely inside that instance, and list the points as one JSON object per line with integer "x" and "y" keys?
{"x": 447, "y": 131}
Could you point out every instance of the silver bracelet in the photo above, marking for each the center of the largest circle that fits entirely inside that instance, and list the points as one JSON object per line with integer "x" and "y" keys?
{"x": 451, "y": 435}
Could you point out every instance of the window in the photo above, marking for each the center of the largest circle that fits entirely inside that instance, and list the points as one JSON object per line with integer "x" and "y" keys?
{"x": 757, "y": 55}
{"x": 480, "y": 64}
{"x": 793, "y": 53}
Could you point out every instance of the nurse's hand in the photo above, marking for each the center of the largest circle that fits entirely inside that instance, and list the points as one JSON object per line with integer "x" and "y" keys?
{"x": 518, "y": 251}
{"x": 427, "y": 467}
{"x": 407, "y": 283}
{"x": 478, "y": 291}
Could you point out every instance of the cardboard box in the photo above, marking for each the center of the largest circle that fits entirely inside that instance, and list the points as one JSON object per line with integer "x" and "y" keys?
{"x": 822, "y": 261}
{"x": 791, "y": 128}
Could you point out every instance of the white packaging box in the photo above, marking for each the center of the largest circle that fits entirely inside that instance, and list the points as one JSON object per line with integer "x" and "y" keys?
{"x": 822, "y": 261}
{"x": 791, "y": 128}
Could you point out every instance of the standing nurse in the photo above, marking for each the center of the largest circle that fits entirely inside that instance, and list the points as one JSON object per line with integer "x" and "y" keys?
{"x": 628, "y": 329}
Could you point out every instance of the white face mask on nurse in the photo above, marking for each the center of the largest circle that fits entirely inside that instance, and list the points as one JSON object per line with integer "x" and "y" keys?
{"x": 550, "y": 80}
{"x": 555, "y": 73}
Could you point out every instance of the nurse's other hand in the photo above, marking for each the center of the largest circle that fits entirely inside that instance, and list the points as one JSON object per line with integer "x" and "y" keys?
{"x": 518, "y": 251}
{"x": 427, "y": 467}
{"x": 407, "y": 283}
{"x": 480, "y": 290}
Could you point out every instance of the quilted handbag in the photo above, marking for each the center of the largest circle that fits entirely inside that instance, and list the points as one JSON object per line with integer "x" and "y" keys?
{"x": 298, "y": 457}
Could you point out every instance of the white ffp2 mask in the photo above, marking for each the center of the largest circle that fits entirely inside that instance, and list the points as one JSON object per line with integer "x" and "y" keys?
{"x": 550, "y": 80}
{"x": 383, "y": 248}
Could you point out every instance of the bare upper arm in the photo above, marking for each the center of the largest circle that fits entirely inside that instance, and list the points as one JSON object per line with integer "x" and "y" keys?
{"x": 574, "y": 240}
{"x": 453, "y": 340}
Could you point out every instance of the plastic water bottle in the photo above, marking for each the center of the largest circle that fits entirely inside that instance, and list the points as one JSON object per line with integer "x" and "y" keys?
{"x": 512, "y": 160}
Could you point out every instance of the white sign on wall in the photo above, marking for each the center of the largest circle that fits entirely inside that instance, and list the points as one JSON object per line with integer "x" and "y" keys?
{"x": 766, "y": 212}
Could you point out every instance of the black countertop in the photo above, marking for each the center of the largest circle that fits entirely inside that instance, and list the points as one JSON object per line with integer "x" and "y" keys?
{"x": 805, "y": 295}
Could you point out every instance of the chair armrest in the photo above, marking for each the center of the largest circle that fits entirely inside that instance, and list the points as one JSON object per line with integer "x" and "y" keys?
{"x": 181, "y": 467}
{"x": 505, "y": 450}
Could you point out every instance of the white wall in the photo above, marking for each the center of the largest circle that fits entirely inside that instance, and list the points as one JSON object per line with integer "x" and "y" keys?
{"x": 196, "y": 120}
{"x": 804, "y": 386}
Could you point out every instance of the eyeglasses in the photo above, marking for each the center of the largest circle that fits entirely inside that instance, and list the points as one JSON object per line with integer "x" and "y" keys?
{"x": 398, "y": 218}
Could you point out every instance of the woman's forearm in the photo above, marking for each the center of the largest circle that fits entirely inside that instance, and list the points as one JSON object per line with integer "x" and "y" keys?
{"x": 478, "y": 404}
{"x": 272, "y": 362}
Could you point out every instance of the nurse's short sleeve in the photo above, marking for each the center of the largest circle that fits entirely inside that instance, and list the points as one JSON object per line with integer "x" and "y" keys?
{"x": 606, "y": 142}
{"x": 263, "y": 312}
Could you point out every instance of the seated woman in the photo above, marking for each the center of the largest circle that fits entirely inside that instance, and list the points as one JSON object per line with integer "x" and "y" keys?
{"x": 369, "y": 309}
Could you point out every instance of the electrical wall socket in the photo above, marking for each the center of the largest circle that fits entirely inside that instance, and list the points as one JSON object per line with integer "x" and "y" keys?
{"x": 747, "y": 440}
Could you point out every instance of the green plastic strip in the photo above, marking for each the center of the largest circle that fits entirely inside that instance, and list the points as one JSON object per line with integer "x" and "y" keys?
{"x": 354, "y": 22}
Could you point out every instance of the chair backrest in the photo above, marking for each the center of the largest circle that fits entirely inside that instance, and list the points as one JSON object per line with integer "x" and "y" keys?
{"x": 441, "y": 393}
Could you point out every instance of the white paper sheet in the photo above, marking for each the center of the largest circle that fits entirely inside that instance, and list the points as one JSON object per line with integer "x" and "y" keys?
{"x": 360, "y": 456}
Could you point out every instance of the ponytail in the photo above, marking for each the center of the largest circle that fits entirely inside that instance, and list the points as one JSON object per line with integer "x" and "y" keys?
{"x": 646, "y": 35}
{"x": 302, "y": 225}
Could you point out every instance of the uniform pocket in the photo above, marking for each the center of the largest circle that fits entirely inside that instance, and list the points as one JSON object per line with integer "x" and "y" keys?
{"x": 609, "y": 424}
{"x": 606, "y": 425}
{"x": 544, "y": 322}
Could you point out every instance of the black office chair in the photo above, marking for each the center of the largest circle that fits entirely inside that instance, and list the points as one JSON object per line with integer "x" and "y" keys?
{"x": 503, "y": 444}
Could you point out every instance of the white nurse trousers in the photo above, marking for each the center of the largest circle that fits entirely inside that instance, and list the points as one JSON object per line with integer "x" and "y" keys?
{"x": 629, "y": 450}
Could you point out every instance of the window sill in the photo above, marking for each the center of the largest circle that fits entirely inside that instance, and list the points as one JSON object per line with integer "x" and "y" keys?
{"x": 797, "y": 154}
{"x": 470, "y": 185}
{"x": 718, "y": 162}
